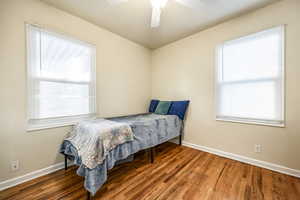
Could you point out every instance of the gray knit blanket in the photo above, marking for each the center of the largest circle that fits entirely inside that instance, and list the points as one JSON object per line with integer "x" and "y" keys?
{"x": 93, "y": 139}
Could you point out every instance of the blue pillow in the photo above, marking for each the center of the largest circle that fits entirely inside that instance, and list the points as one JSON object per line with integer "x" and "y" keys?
{"x": 179, "y": 108}
{"x": 153, "y": 105}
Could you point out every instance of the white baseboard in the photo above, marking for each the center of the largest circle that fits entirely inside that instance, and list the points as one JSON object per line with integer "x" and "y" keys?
{"x": 251, "y": 161}
{"x": 32, "y": 175}
{"x": 278, "y": 168}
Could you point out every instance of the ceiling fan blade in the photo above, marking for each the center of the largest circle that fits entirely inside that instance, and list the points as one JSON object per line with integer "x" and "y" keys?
{"x": 191, "y": 3}
{"x": 155, "y": 18}
{"x": 115, "y": 2}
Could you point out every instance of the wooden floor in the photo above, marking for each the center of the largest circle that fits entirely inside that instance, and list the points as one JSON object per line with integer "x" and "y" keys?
{"x": 179, "y": 173}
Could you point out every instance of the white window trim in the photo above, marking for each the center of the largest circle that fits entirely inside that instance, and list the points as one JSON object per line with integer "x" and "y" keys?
{"x": 263, "y": 122}
{"x": 57, "y": 122}
{"x": 47, "y": 123}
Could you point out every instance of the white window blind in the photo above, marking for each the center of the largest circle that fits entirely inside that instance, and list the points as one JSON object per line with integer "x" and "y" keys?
{"x": 250, "y": 78}
{"x": 61, "y": 79}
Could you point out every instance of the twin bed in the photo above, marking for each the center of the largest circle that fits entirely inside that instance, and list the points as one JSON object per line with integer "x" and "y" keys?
{"x": 98, "y": 145}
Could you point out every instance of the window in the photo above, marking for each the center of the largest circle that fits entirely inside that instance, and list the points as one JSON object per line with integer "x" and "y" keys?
{"x": 61, "y": 79}
{"x": 250, "y": 79}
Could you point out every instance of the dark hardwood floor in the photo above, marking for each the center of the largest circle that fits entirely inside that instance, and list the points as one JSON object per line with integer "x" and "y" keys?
{"x": 178, "y": 173}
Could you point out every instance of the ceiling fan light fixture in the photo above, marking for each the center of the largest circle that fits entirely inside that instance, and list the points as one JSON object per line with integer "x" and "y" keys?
{"x": 157, "y": 6}
{"x": 159, "y": 3}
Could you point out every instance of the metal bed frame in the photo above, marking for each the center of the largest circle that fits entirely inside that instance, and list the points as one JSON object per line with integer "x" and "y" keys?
{"x": 151, "y": 152}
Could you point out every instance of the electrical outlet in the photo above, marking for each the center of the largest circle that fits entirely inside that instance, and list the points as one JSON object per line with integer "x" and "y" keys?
{"x": 257, "y": 148}
{"x": 14, "y": 165}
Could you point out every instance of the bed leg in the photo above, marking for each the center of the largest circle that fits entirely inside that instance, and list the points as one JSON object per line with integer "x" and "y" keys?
{"x": 180, "y": 139}
{"x": 152, "y": 154}
{"x": 66, "y": 162}
{"x": 89, "y": 197}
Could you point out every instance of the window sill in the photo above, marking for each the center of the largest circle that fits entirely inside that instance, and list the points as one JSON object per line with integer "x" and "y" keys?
{"x": 48, "y": 126}
{"x": 252, "y": 122}
{"x": 35, "y": 125}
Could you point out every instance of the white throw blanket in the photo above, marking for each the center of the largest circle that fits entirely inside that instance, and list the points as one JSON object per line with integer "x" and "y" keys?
{"x": 93, "y": 139}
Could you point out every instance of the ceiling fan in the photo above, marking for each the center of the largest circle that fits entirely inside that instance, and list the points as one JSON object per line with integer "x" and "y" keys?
{"x": 158, "y": 5}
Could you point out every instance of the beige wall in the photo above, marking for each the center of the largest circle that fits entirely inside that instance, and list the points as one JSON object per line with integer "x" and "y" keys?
{"x": 185, "y": 70}
{"x": 181, "y": 70}
{"x": 123, "y": 81}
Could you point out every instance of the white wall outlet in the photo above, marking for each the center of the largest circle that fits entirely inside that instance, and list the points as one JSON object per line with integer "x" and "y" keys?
{"x": 257, "y": 148}
{"x": 14, "y": 165}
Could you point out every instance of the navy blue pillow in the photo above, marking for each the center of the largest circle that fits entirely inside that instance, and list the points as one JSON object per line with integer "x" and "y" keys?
{"x": 153, "y": 105}
{"x": 179, "y": 108}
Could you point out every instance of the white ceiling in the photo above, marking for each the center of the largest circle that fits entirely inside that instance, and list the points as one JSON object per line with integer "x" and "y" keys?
{"x": 132, "y": 19}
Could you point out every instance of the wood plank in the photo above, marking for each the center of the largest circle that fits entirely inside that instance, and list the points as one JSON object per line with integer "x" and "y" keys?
{"x": 178, "y": 173}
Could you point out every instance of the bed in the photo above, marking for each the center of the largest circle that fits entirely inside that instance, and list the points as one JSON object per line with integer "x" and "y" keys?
{"x": 148, "y": 129}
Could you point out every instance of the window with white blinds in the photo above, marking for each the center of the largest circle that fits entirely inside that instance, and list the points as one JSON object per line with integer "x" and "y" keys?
{"x": 61, "y": 79}
{"x": 250, "y": 79}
